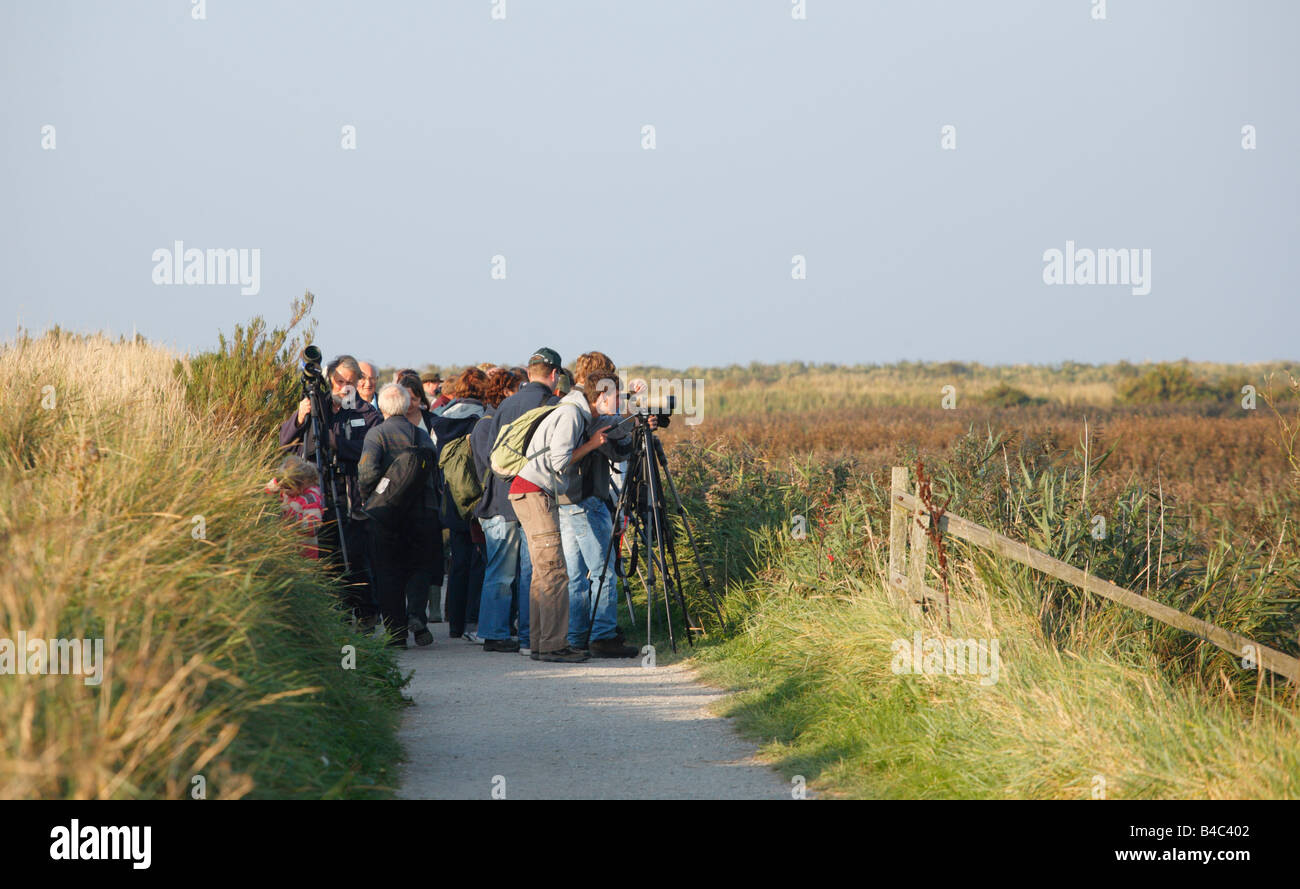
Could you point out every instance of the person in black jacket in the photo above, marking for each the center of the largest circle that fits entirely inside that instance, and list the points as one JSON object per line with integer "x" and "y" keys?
{"x": 426, "y": 580}
{"x": 347, "y": 421}
{"x": 407, "y": 550}
{"x": 508, "y": 573}
{"x": 466, "y": 570}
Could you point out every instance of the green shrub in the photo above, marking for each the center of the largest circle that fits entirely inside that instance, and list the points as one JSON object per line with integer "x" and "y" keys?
{"x": 252, "y": 379}
{"x": 1003, "y": 395}
{"x": 1165, "y": 384}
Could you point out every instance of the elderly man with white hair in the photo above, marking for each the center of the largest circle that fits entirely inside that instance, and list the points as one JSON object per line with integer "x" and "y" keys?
{"x": 401, "y": 550}
{"x": 366, "y": 383}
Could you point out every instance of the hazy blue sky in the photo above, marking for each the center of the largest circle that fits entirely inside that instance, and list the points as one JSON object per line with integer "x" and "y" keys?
{"x": 775, "y": 137}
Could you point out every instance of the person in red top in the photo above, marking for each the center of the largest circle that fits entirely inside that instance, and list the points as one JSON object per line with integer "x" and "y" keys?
{"x": 561, "y": 440}
{"x": 300, "y": 499}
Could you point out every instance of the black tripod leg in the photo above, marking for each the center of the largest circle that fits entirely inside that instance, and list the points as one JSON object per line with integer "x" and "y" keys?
{"x": 681, "y": 599}
{"x": 654, "y": 558}
{"x": 657, "y": 558}
{"x": 627, "y": 591}
{"x": 649, "y": 590}
{"x": 668, "y": 616}
{"x": 690, "y": 538}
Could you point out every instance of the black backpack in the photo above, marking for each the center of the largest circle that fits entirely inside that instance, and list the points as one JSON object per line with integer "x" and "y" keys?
{"x": 390, "y": 504}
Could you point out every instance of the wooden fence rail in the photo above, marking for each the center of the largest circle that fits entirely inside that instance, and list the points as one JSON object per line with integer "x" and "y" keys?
{"x": 907, "y": 574}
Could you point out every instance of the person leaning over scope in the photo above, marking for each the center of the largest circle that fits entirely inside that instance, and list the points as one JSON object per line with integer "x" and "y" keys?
{"x": 405, "y": 550}
{"x": 347, "y": 420}
{"x": 560, "y": 440}
{"x": 507, "y": 548}
{"x": 586, "y": 515}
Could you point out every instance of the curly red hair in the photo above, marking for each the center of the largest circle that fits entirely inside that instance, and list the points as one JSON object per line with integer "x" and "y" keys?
{"x": 501, "y": 384}
{"x": 469, "y": 383}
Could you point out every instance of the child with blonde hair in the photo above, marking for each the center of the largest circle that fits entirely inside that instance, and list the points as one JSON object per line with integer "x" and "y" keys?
{"x": 301, "y": 501}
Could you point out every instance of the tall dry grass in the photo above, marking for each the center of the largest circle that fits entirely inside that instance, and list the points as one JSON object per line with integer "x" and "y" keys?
{"x": 222, "y": 647}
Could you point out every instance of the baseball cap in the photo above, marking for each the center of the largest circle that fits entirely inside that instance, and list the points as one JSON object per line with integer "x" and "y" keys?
{"x": 430, "y": 377}
{"x": 550, "y": 356}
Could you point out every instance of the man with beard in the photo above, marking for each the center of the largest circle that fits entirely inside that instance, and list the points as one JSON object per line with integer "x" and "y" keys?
{"x": 346, "y": 422}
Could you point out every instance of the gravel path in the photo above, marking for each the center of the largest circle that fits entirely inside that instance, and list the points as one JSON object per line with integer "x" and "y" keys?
{"x": 605, "y": 729}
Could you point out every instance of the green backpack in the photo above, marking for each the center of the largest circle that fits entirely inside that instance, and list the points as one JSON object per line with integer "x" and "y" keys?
{"x": 510, "y": 450}
{"x": 457, "y": 465}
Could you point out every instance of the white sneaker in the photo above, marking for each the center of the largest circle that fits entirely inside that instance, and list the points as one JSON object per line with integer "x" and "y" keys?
{"x": 473, "y": 638}
{"x": 525, "y": 651}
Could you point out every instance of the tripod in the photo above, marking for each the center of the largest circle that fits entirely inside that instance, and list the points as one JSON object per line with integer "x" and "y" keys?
{"x": 642, "y": 505}
{"x": 312, "y": 389}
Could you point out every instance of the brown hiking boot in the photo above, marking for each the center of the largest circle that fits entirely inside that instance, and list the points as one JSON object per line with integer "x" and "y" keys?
{"x": 612, "y": 648}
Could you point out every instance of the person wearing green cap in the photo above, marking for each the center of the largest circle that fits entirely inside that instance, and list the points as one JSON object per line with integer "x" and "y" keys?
{"x": 507, "y": 547}
{"x": 561, "y": 441}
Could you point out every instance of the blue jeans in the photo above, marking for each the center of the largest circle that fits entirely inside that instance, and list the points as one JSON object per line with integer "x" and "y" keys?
{"x": 507, "y": 555}
{"x": 585, "y": 531}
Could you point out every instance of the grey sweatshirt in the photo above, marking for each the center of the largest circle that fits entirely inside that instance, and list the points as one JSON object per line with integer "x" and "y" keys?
{"x": 554, "y": 441}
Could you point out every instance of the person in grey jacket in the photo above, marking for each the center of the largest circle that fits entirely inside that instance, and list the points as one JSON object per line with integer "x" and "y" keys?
{"x": 560, "y": 440}
{"x": 399, "y": 552}
{"x": 586, "y": 514}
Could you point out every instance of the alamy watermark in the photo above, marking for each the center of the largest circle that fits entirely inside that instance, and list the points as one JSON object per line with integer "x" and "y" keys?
{"x": 78, "y": 842}
{"x": 42, "y": 657}
{"x": 962, "y": 657}
{"x": 665, "y": 396}
{"x": 1128, "y": 266}
{"x": 235, "y": 265}
{"x": 660, "y": 396}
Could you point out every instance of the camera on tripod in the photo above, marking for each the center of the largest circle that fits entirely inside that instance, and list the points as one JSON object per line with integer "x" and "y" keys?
{"x": 643, "y": 410}
{"x": 312, "y": 376}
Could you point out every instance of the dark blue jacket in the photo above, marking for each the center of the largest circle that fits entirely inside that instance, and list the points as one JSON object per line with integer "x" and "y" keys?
{"x": 346, "y": 433}
{"x": 496, "y": 491}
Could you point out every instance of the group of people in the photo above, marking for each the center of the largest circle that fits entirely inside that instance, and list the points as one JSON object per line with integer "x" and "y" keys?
{"x": 524, "y": 559}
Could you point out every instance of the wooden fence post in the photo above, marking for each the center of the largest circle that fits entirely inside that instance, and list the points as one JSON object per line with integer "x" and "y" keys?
{"x": 919, "y": 523}
{"x": 899, "y": 515}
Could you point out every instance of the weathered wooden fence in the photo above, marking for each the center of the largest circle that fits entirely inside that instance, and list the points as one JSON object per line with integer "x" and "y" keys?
{"x": 909, "y": 518}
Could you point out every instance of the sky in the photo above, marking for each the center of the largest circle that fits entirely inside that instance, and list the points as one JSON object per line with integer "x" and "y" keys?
{"x": 496, "y": 190}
